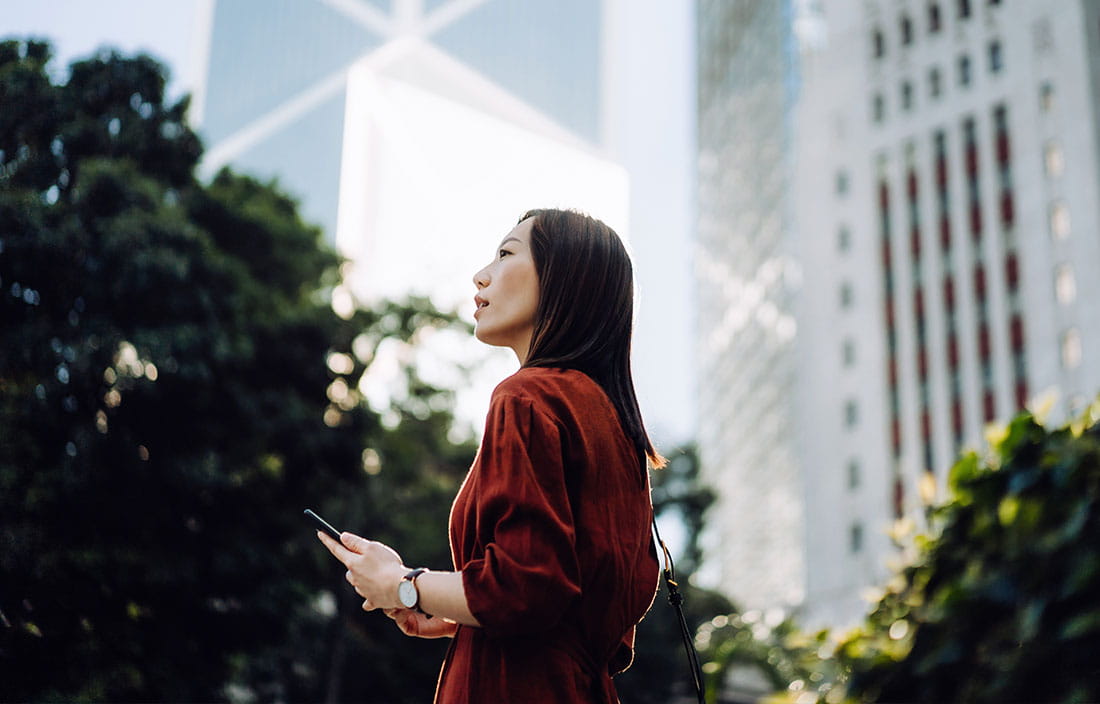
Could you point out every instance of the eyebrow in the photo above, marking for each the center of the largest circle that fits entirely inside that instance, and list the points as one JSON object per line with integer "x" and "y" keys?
{"x": 510, "y": 239}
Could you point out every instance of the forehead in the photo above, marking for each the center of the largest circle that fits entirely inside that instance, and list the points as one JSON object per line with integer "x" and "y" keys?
{"x": 520, "y": 233}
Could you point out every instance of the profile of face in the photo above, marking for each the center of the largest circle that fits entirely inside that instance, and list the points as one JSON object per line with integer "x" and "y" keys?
{"x": 508, "y": 294}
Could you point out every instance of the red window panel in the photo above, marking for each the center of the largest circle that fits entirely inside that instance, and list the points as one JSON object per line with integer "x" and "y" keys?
{"x": 883, "y": 196}
{"x": 1003, "y": 154}
{"x": 895, "y": 436}
{"x": 914, "y": 242}
{"x": 1021, "y": 393}
{"x": 892, "y": 367}
{"x": 899, "y": 497}
{"x": 979, "y": 282}
{"x": 1008, "y": 209}
{"x": 987, "y": 405}
{"x": 1017, "y": 326}
{"x": 945, "y": 233}
{"x": 949, "y": 292}
{"x": 890, "y": 313}
{"x": 983, "y": 342}
{"x": 976, "y": 220}
{"x": 886, "y": 257}
{"x": 953, "y": 351}
{"x": 1012, "y": 271}
{"x": 922, "y": 363}
{"x": 925, "y": 425}
{"x": 941, "y": 172}
{"x": 971, "y": 160}
{"x": 911, "y": 185}
{"x": 956, "y": 416}
{"x": 918, "y": 303}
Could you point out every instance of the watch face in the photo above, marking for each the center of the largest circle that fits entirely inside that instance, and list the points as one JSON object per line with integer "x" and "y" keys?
{"x": 406, "y": 592}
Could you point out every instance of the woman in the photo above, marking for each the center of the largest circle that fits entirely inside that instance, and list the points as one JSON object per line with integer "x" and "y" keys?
{"x": 554, "y": 563}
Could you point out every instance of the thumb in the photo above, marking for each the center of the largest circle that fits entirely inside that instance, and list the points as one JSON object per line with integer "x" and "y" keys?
{"x": 353, "y": 542}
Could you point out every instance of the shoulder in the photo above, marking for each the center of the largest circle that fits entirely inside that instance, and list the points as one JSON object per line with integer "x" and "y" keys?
{"x": 568, "y": 397}
{"x": 546, "y": 386}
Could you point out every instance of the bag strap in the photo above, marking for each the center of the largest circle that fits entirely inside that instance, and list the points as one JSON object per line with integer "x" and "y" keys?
{"x": 677, "y": 600}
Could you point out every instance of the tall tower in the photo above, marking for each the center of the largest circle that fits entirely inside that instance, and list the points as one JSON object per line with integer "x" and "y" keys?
{"x": 426, "y": 124}
{"x": 746, "y": 280}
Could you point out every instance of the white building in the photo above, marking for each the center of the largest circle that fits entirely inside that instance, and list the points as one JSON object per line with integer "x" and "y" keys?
{"x": 416, "y": 132}
{"x": 947, "y": 209}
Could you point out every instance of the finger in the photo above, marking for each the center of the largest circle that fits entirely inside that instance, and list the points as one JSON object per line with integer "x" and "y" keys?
{"x": 338, "y": 551}
{"x": 348, "y": 576}
{"x": 353, "y": 542}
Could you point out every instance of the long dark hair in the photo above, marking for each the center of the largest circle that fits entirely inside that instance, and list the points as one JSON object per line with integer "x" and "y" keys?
{"x": 585, "y": 314}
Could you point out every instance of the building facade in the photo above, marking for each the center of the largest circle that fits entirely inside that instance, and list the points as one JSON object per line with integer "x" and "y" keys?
{"x": 374, "y": 113}
{"x": 947, "y": 209}
{"x": 747, "y": 276}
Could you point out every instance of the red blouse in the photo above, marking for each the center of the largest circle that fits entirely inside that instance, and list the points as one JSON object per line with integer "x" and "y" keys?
{"x": 551, "y": 533}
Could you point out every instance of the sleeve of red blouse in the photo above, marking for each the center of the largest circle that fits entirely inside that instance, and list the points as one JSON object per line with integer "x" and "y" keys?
{"x": 528, "y": 573}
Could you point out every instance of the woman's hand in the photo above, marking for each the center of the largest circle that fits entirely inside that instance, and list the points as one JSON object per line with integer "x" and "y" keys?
{"x": 374, "y": 569}
{"x": 418, "y": 625}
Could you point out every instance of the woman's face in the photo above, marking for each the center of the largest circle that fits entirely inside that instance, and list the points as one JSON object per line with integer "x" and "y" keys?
{"x": 508, "y": 294}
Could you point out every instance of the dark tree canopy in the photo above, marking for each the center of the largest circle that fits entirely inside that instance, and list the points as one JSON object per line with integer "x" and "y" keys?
{"x": 174, "y": 389}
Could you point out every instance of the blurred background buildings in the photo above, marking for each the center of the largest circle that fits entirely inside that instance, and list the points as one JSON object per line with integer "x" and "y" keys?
{"x": 922, "y": 177}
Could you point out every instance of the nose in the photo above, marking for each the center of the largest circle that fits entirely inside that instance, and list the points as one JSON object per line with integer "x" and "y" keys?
{"x": 481, "y": 278}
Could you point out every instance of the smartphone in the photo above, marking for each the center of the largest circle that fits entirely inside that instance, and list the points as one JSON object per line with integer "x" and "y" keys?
{"x": 322, "y": 524}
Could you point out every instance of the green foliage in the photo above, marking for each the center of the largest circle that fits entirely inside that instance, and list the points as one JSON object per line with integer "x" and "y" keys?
{"x": 748, "y": 656}
{"x": 174, "y": 389}
{"x": 1001, "y": 603}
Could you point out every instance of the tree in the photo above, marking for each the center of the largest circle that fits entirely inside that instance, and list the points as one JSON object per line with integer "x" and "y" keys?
{"x": 1000, "y": 603}
{"x": 174, "y": 389}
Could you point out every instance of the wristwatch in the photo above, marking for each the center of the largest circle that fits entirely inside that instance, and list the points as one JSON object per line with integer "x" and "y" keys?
{"x": 407, "y": 592}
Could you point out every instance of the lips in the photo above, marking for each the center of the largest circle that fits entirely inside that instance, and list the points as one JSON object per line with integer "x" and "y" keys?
{"x": 480, "y": 303}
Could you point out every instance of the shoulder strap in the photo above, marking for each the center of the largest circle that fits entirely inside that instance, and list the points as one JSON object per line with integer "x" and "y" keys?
{"x": 677, "y": 600}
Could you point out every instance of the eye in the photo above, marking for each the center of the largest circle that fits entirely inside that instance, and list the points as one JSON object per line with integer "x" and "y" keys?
{"x": 503, "y": 253}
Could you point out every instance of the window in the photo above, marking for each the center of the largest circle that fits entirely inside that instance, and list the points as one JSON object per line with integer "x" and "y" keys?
{"x": 964, "y": 70}
{"x": 878, "y": 108}
{"x": 1059, "y": 220}
{"x": 935, "y": 21}
{"x": 855, "y": 538}
{"x": 851, "y": 413}
{"x": 1046, "y": 96}
{"x": 906, "y": 30}
{"x": 1053, "y": 159}
{"x": 844, "y": 239}
{"x": 848, "y": 352}
{"x": 846, "y": 295}
{"x": 935, "y": 82}
{"x": 853, "y": 474}
{"x": 841, "y": 182}
{"x": 1071, "y": 349}
{"x": 996, "y": 59}
{"x": 964, "y": 9}
{"x": 1065, "y": 285}
{"x": 878, "y": 43}
{"x": 906, "y": 95}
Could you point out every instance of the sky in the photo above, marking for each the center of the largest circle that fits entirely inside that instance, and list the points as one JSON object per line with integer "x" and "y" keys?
{"x": 652, "y": 137}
